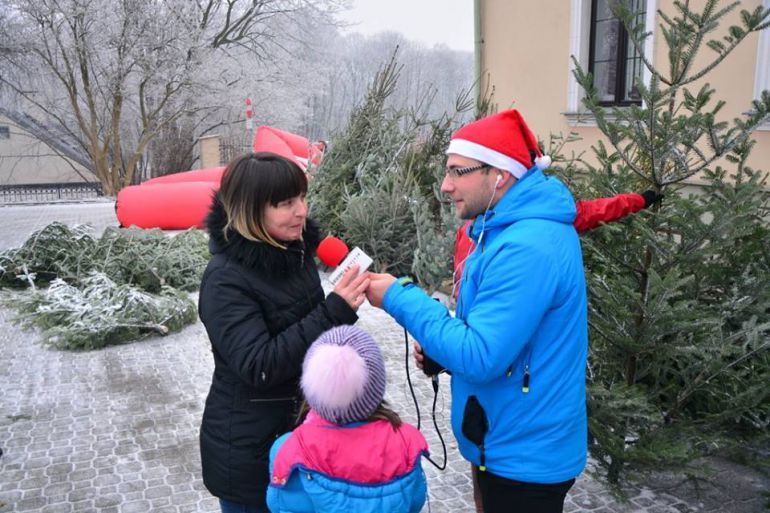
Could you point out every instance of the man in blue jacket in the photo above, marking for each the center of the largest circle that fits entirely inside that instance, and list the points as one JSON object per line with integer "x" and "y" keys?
{"x": 517, "y": 346}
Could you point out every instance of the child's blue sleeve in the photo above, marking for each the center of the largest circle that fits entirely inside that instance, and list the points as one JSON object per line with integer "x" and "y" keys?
{"x": 292, "y": 496}
{"x": 420, "y": 491}
{"x": 274, "y": 449}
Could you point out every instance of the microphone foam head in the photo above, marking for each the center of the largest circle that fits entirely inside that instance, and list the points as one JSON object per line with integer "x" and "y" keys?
{"x": 331, "y": 251}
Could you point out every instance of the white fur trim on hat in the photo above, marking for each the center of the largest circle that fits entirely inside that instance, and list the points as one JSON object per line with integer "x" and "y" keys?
{"x": 303, "y": 162}
{"x": 543, "y": 162}
{"x": 486, "y": 155}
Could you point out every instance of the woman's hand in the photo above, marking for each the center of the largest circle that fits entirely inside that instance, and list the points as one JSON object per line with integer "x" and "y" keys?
{"x": 352, "y": 286}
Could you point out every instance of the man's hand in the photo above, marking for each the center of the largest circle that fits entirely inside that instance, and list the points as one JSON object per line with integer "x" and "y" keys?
{"x": 418, "y": 355}
{"x": 378, "y": 285}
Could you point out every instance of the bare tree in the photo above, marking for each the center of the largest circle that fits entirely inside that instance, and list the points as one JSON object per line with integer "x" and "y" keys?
{"x": 430, "y": 78}
{"x": 114, "y": 74}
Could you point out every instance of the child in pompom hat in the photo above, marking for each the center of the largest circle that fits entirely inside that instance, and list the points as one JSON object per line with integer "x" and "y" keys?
{"x": 352, "y": 452}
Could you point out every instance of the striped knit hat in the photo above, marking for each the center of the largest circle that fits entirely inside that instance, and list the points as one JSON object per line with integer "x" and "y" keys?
{"x": 343, "y": 375}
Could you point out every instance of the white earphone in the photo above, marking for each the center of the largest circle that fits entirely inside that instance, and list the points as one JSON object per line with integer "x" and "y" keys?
{"x": 498, "y": 180}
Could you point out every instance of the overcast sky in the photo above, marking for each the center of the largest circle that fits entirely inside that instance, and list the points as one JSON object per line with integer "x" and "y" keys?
{"x": 427, "y": 21}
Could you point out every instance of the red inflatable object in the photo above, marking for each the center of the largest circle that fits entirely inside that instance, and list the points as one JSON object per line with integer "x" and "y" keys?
{"x": 169, "y": 206}
{"x": 181, "y": 200}
{"x": 291, "y": 146}
{"x": 211, "y": 174}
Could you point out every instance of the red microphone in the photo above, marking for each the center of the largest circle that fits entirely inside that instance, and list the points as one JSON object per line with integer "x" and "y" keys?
{"x": 334, "y": 253}
{"x": 331, "y": 251}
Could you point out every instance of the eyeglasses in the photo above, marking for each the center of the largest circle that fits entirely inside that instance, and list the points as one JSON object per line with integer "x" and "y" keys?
{"x": 454, "y": 172}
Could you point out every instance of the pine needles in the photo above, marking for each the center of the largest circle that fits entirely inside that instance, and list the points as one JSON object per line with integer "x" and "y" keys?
{"x": 125, "y": 285}
{"x": 377, "y": 187}
{"x": 147, "y": 259}
{"x": 679, "y": 296}
{"x": 100, "y": 312}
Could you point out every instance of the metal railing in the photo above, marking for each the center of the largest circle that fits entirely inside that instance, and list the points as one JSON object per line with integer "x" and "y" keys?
{"x": 42, "y": 192}
{"x": 232, "y": 147}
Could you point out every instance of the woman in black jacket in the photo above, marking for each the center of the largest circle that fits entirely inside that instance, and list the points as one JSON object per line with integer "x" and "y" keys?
{"x": 262, "y": 304}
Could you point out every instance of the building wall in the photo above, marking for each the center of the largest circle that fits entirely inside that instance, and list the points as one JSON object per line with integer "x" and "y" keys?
{"x": 525, "y": 56}
{"x": 26, "y": 160}
{"x": 208, "y": 146}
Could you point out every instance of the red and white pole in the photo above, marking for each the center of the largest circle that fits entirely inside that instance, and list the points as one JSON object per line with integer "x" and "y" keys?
{"x": 250, "y": 124}
{"x": 249, "y": 115}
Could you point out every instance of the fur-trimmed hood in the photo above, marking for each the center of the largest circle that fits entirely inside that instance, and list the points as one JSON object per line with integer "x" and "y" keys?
{"x": 259, "y": 255}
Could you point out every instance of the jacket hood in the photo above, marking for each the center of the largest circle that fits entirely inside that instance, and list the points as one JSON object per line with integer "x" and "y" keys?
{"x": 534, "y": 196}
{"x": 368, "y": 452}
{"x": 259, "y": 255}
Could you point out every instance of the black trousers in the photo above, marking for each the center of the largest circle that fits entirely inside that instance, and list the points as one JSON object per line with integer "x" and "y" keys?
{"x": 500, "y": 495}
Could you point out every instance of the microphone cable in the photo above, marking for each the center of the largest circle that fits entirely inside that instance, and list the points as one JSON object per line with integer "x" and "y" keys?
{"x": 434, "y": 383}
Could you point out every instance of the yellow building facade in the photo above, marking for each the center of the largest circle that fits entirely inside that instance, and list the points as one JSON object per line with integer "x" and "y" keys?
{"x": 25, "y": 158}
{"x": 524, "y": 49}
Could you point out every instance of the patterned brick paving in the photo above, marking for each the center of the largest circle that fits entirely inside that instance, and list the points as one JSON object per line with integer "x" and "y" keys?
{"x": 116, "y": 430}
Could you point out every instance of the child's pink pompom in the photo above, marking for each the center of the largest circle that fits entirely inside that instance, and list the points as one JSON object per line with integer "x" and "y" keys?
{"x": 334, "y": 377}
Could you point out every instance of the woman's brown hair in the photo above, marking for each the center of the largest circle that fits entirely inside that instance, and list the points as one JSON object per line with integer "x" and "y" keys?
{"x": 249, "y": 184}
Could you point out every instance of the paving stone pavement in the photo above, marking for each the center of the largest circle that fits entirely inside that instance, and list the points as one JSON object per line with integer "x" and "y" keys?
{"x": 116, "y": 430}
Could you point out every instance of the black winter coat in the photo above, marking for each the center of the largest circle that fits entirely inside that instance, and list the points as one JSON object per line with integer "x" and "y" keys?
{"x": 262, "y": 308}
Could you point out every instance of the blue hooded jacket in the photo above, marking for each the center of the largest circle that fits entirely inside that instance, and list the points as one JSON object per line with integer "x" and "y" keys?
{"x": 361, "y": 467}
{"x": 517, "y": 346}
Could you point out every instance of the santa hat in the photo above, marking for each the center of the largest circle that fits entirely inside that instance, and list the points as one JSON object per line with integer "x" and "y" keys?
{"x": 291, "y": 146}
{"x": 502, "y": 141}
{"x": 317, "y": 150}
{"x": 343, "y": 375}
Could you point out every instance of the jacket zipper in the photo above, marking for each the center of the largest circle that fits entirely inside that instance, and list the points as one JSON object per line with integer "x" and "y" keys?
{"x": 526, "y": 376}
{"x": 303, "y": 270}
{"x": 525, "y": 381}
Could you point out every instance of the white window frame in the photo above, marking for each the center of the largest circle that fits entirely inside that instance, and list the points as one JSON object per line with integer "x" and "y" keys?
{"x": 762, "y": 72}
{"x": 580, "y": 36}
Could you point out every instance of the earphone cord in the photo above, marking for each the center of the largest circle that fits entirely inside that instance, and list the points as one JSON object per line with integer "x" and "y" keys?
{"x": 434, "y": 382}
{"x": 484, "y": 218}
{"x": 434, "y": 379}
{"x": 481, "y": 236}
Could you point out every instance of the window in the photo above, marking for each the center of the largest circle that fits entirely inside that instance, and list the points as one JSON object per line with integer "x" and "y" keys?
{"x": 762, "y": 73}
{"x": 5, "y": 132}
{"x": 581, "y": 36}
{"x": 613, "y": 60}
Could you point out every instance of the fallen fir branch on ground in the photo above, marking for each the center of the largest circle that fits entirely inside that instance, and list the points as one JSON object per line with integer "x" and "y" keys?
{"x": 151, "y": 259}
{"x": 100, "y": 312}
{"x": 148, "y": 259}
{"x": 125, "y": 285}
{"x": 54, "y": 252}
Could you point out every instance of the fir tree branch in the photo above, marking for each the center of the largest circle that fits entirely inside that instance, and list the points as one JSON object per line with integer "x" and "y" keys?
{"x": 685, "y": 394}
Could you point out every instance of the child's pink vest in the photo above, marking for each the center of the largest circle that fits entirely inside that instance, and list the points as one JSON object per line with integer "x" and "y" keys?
{"x": 368, "y": 453}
